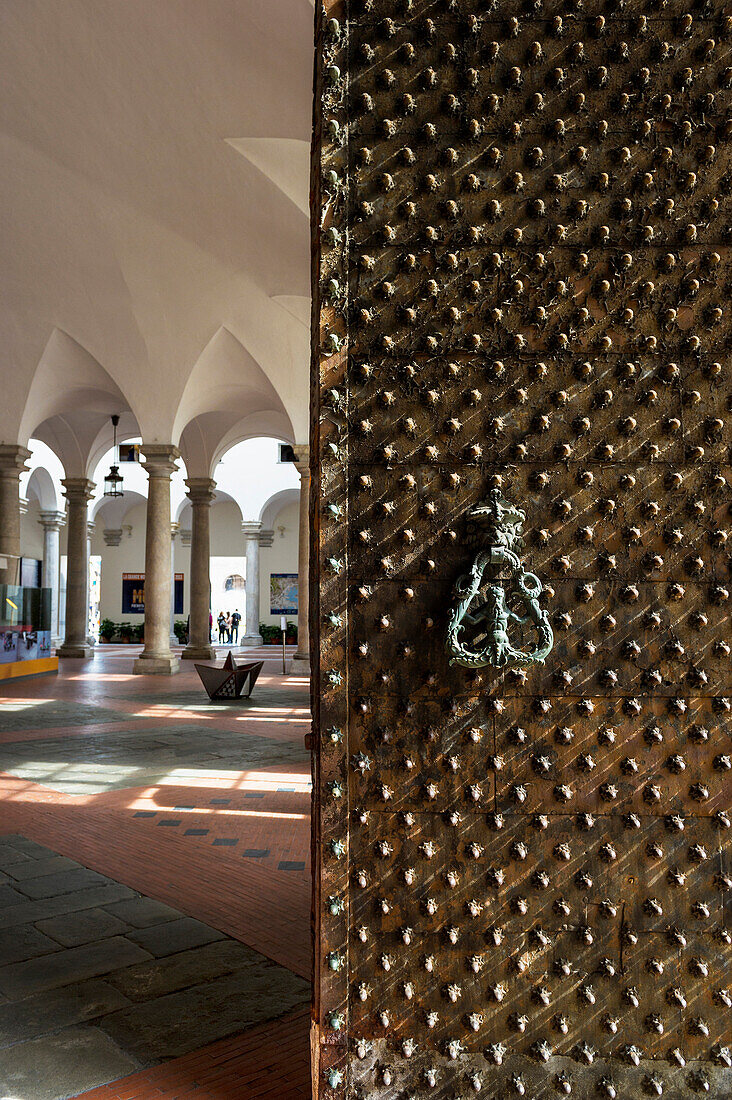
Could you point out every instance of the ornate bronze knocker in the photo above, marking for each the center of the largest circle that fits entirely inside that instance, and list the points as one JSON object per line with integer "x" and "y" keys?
{"x": 496, "y": 525}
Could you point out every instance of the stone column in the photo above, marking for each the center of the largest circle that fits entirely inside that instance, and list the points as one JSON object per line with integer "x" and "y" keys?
{"x": 174, "y": 529}
{"x": 91, "y": 636}
{"x": 156, "y": 657}
{"x": 78, "y": 491}
{"x": 12, "y": 463}
{"x": 252, "y": 636}
{"x": 301, "y": 661}
{"x": 52, "y": 522}
{"x": 201, "y": 493}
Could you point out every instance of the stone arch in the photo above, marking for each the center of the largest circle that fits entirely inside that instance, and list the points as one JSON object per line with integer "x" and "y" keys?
{"x": 220, "y": 497}
{"x": 226, "y": 389}
{"x": 70, "y": 403}
{"x": 42, "y": 487}
{"x": 272, "y": 507}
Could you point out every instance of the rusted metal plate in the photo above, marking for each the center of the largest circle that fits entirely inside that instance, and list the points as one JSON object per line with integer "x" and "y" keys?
{"x": 522, "y": 272}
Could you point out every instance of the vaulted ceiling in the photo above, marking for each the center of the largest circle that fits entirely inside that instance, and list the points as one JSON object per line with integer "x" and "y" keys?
{"x": 153, "y": 194}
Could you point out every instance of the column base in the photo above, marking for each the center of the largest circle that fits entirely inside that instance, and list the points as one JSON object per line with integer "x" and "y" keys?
{"x": 156, "y": 666}
{"x": 249, "y": 640}
{"x": 86, "y": 652}
{"x": 300, "y": 665}
{"x": 199, "y": 653}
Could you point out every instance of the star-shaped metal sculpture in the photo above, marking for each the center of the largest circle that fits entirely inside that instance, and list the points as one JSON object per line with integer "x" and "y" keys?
{"x": 228, "y": 681}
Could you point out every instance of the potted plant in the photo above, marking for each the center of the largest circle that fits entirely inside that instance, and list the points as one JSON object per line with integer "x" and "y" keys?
{"x": 181, "y": 631}
{"x": 125, "y": 632}
{"x": 106, "y": 631}
{"x": 137, "y": 632}
{"x": 291, "y": 633}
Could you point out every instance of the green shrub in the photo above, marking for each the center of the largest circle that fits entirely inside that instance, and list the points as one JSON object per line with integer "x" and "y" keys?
{"x": 181, "y": 630}
{"x": 271, "y": 633}
{"x": 107, "y": 630}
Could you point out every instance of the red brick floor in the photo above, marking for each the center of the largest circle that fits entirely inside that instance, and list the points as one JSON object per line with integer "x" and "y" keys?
{"x": 271, "y": 1062}
{"x": 247, "y": 898}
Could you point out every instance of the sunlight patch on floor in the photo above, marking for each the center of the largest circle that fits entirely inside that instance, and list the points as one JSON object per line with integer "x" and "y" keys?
{"x": 23, "y": 704}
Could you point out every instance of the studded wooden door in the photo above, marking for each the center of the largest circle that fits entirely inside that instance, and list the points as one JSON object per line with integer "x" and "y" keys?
{"x": 522, "y": 283}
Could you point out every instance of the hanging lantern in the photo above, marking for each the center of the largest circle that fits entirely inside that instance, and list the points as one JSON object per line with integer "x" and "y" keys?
{"x": 113, "y": 481}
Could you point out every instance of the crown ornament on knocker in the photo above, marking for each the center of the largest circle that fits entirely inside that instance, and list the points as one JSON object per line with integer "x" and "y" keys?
{"x": 481, "y": 616}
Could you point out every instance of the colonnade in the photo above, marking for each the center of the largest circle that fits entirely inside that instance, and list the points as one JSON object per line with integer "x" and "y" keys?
{"x": 157, "y": 655}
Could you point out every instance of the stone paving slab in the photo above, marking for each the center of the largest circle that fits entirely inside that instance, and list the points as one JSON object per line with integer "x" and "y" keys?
{"x": 141, "y": 912}
{"x": 37, "y": 868}
{"x": 64, "y": 1064}
{"x": 53, "y": 712}
{"x": 97, "y": 762}
{"x": 100, "y": 981}
{"x": 9, "y": 897}
{"x": 11, "y": 856}
{"x": 169, "y": 1026}
{"x": 73, "y": 929}
{"x": 145, "y": 982}
{"x": 72, "y": 965}
{"x": 174, "y": 936}
{"x": 53, "y": 1009}
{"x": 29, "y": 911}
{"x": 64, "y": 882}
{"x": 27, "y": 848}
{"x": 23, "y": 942}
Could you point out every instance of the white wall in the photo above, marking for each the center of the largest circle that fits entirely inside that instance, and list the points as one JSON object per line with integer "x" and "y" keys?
{"x": 280, "y": 557}
{"x": 31, "y": 532}
{"x": 250, "y": 473}
{"x": 227, "y": 542}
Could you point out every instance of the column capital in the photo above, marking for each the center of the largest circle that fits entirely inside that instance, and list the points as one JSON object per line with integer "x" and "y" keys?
{"x": 13, "y": 459}
{"x": 112, "y": 536}
{"x": 251, "y": 528}
{"x": 159, "y": 459}
{"x": 186, "y": 536}
{"x": 266, "y": 537}
{"x": 200, "y": 489}
{"x": 52, "y": 520}
{"x": 302, "y": 457}
{"x": 78, "y": 489}
{"x": 90, "y": 527}
{"x": 174, "y": 529}
{"x": 23, "y": 505}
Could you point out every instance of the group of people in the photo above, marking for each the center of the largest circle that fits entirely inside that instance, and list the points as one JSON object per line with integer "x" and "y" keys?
{"x": 228, "y": 623}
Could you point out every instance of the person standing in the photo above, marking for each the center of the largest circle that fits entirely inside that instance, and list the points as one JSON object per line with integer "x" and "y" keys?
{"x": 235, "y": 620}
{"x": 210, "y": 625}
{"x": 222, "y": 627}
{"x": 228, "y": 627}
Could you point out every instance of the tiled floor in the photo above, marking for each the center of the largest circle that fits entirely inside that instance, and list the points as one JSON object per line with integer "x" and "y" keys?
{"x": 97, "y": 981}
{"x": 200, "y": 807}
{"x": 270, "y": 1062}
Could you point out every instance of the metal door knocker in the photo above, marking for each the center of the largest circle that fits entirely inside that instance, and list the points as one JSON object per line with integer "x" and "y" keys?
{"x": 481, "y": 638}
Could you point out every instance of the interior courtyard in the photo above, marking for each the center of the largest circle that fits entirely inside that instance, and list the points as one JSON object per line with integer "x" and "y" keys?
{"x": 155, "y": 861}
{"x": 365, "y": 501}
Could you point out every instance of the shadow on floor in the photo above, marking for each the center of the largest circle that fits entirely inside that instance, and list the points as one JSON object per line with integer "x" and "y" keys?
{"x": 98, "y": 981}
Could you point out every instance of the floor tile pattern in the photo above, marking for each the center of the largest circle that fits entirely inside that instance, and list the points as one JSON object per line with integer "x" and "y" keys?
{"x": 90, "y": 994}
{"x": 270, "y": 1062}
{"x": 230, "y": 786}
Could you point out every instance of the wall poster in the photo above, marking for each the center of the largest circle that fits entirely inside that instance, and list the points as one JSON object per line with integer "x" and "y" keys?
{"x": 283, "y": 593}
{"x": 133, "y": 594}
